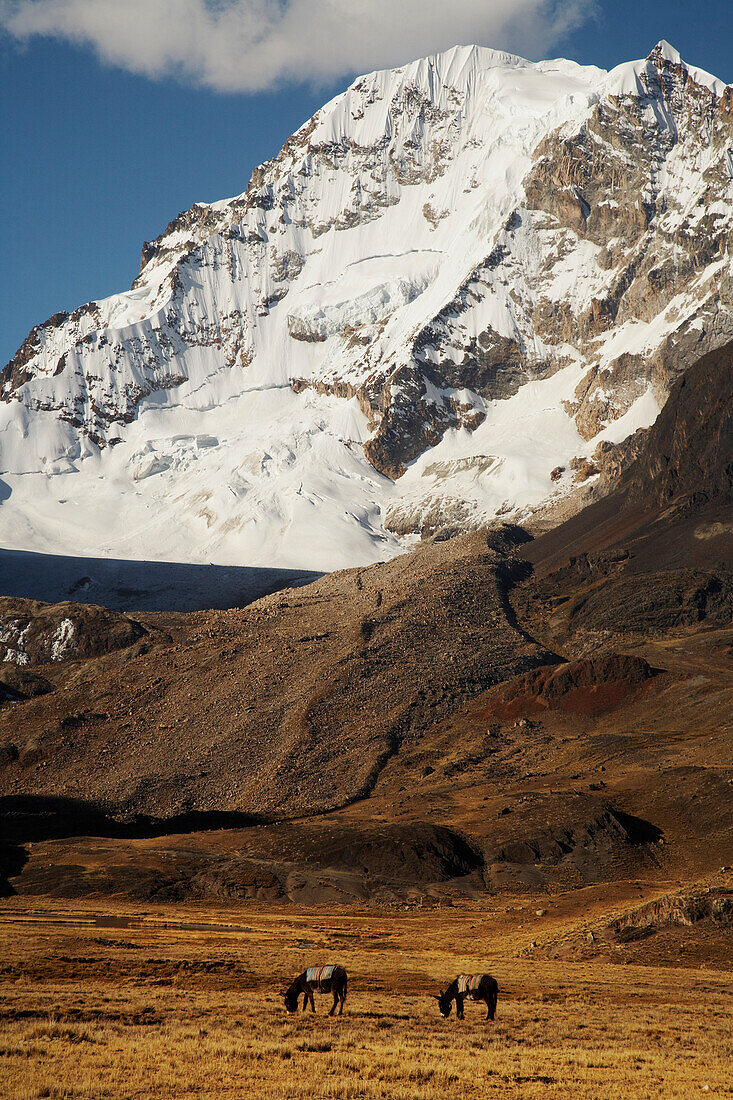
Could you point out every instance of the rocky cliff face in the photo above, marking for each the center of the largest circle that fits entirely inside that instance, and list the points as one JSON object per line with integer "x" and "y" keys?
{"x": 687, "y": 454}
{"x": 461, "y": 276}
{"x": 642, "y": 179}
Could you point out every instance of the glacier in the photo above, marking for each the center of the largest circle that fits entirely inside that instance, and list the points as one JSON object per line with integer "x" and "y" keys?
{"x": 457, "y": 279}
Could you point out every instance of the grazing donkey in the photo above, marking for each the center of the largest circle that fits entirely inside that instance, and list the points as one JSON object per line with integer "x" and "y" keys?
{"x": 318, "y": 979}
{"x": 475, "y": 987}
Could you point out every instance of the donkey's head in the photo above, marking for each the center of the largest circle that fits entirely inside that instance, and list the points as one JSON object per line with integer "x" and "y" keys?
{"x": 291, "y": 998}
{"x": 445, "y": 1003}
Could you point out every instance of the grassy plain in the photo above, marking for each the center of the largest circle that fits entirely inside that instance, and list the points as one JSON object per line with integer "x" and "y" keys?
{"x": 114, "y": 1003}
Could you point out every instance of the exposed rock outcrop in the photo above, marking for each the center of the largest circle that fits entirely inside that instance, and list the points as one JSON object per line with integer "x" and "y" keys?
{"x": 714, "y": 905}
{"x": 33, "y": 633}
{"x": 587, "y": 686}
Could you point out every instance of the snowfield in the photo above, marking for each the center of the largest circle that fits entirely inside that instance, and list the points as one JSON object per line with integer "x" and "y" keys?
{"x": 217, "y": 413}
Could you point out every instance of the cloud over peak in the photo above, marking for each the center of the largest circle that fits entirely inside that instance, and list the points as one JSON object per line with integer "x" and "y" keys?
{"x": 255, "y": 45}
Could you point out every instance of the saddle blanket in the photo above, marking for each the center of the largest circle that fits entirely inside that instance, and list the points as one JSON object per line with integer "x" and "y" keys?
{"x": 468, "y": 984}
{"x": 316, "y": 975}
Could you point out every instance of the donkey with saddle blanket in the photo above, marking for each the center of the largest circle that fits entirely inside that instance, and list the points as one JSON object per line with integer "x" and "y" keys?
{"x": 318, "y": 979}
{"x": 472, "y": 987}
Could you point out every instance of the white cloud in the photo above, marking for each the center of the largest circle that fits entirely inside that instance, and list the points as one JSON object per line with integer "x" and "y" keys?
{"x": 252, "y": 45}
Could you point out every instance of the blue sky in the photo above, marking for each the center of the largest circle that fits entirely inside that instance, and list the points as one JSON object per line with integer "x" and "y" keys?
{"x": 98, "y": 158}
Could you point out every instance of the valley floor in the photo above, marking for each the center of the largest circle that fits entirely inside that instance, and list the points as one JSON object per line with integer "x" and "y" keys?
{"x": 104, "y": 1001}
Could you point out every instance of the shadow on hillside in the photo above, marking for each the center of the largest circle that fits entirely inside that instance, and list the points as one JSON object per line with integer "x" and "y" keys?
{"x": 13, "y": 859}
{"x": 26, "y": 818}
{"x": 638, "y": 830}
{"x": 140, "y": 585}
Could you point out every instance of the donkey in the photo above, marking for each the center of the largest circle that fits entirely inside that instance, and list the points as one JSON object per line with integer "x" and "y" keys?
{"x": 318, "y": 979}
{"x": 474, "y": 987}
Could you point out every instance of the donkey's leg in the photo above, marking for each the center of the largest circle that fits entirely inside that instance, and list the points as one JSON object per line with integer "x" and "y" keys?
{"x": 492, "y": 1004}
{"x": 313, "y": 1001}
{"x": 343, "y": 998}
{"x": 305, "y": 999}
{"x": 459, "y": 1005}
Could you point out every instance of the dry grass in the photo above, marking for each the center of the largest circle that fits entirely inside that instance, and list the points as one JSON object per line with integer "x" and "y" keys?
{"x": 160, "y": 1011}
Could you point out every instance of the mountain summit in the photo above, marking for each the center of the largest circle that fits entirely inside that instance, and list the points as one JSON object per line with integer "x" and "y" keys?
{"x": 428, "y": 310}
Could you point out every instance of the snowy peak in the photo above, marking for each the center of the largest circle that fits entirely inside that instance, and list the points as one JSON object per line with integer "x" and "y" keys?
{"x": 375, "y": 109}
{"x": 443, "y": 300}
{"x": 664, "y": 51}
{"x": 632, "y": 78}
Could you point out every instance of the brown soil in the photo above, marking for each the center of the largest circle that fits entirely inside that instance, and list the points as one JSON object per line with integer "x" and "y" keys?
{"x": 289, "y": 707}
{"x": 484, "y": 716}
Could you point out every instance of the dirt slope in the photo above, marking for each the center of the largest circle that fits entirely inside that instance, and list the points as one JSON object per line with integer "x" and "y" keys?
{"x": 485, "y": 714}
{"x": 288, "y": 707}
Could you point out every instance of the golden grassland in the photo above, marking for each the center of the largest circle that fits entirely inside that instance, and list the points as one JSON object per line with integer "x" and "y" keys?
{"x": 106, "y": 1003}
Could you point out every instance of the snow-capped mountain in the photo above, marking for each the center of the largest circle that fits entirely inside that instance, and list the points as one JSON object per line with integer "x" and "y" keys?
{"x": 450, "y": 286}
